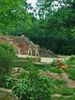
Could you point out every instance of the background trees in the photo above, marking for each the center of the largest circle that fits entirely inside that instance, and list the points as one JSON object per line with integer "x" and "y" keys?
{"x": 51, "y": 24}
{"x": 57, "y": 18}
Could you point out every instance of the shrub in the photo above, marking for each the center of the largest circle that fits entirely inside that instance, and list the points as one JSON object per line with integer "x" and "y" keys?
{"x": 71, "y": 60}
{"x": 71, "y": 73}
{"x": 44, "y": 88}
{"x": 28, "y": 89}
{"x": 7, "y": 55}
{"x": 53, "y": 63}
{"x": 66, "y": 91}
{"x": 23, "y": 89}
{"x": 7, "y": 82}
{"x": 59, "y": 83}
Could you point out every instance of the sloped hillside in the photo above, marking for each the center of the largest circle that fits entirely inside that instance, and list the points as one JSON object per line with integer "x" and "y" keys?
{"x": 31, "y": 81}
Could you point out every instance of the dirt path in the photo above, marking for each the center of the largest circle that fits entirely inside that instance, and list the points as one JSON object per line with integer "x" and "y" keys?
{"x": 63, "y": 76}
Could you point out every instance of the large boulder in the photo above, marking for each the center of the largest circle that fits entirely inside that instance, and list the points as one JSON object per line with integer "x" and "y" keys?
{"x": 6, "y": 94}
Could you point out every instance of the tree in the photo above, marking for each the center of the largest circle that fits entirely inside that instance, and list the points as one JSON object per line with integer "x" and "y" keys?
{"x": 59, "y": 15}
{"x": 14, "y": 16}
{"x": 58, "y": 24}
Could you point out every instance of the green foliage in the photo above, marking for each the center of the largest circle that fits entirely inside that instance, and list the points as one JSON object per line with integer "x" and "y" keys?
{"x": 71, "y": 60}
{"x": 71, "y": 72}
{"x": 23, "y": 89}
{"x": 7, "y": 55}
{"x": 65, "y": 98}
{"x": 59, "y": 83}
{"x": 54, "y": 69}
{"x": 43, "y": 87}
{"x": 29, "y": 65}
{"x": 7, "y": 82}
{"x": 33, "y": 86}
{"x": 54, "y": 29}
{"x": 66, "y": 91}
{"x": 30, "y": 88}
{"x": 53, "y": 63}
{"x": 56, "y": 26}
{"x": 14, "y": 17}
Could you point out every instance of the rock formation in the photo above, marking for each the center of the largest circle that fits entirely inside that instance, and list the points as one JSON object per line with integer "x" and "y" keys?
{"x": 22, "y": 45}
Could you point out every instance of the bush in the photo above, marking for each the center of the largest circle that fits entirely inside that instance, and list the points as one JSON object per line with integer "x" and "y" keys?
{"x": 44, "y": 88}
{"x": 71, "y": 60}
{"x": 53, "y": 64}
{"x": 66, "y": 91}
{"x": 59, "y": 83}
{"x": 25, "y": 88}
{"x": 28, "y": 89}
{"x": 71, "y": 73}
{"x": 7, "y": 55}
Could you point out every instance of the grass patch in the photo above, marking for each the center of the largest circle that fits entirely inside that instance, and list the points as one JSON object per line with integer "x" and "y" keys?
{"x": 65, "y": 91}
{"x": 71, "y": 73}
{"x": 71, "y": 60}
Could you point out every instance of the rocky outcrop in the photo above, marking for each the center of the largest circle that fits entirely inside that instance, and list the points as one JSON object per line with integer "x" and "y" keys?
{"x": 46, "y": 53}
{"x": 6, "y": 94}
{"x": 22, "y": 45}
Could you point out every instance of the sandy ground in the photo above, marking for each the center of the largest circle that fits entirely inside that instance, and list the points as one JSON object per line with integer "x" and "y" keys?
{"x": 46, "y": 59}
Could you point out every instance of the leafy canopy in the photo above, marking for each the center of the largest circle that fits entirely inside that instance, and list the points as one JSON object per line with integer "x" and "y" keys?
{"x": 14, "y": 16}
